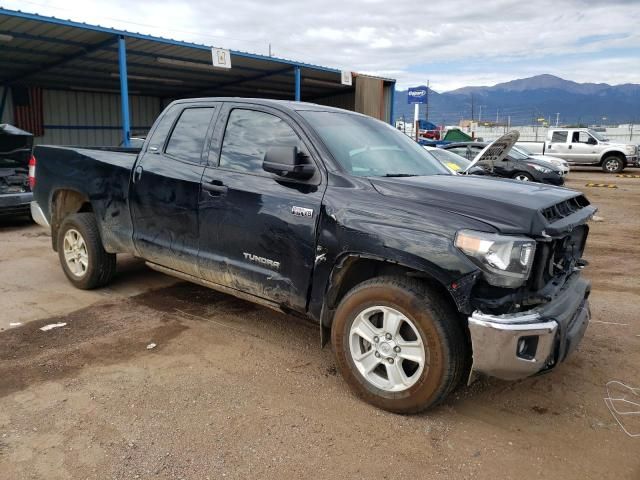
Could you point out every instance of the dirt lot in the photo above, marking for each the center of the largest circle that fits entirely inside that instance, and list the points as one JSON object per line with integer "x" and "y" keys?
{"x": 233, "y": 390}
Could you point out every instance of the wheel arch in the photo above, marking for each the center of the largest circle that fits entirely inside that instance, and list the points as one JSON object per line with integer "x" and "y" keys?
{"x": 64, "y": 202}
{"x": 613, "y": 153}
{"x": 352, "y": 269}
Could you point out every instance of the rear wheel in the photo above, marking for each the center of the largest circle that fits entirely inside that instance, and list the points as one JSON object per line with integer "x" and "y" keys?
{"x": 83, "y": 258}
{"x": 398, "y": 345}
{"x": 612, "y": 164}
{"x": 523, "y": 177}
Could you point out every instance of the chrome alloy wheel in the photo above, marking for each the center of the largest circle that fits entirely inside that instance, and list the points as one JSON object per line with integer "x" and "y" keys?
{"x": 522, "y": 178}
{"x": 612, "y": 165}
{"x": 386, "y": 348}
{"x": 75, "y": 253}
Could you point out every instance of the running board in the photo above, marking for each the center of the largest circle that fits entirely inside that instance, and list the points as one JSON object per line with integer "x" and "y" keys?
{"x": 217, "y": 287}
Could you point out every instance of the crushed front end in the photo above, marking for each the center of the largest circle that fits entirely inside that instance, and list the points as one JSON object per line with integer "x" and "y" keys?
{"x": 531, "y": 317}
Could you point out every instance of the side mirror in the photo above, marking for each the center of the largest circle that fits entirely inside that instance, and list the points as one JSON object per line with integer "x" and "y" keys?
{"x": 287, "y": 162}
{"x": 592, "y": 141}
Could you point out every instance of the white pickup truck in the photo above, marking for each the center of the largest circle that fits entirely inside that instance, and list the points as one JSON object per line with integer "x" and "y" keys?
{"x": 584, "y": 146}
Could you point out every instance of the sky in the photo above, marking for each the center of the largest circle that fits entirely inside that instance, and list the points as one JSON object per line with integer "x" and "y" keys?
{"x": 452, "y": 44}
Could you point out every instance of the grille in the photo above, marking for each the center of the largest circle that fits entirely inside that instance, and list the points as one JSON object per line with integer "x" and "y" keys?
{"x": 564, "y": 208}
{"x": 557, "y": 257}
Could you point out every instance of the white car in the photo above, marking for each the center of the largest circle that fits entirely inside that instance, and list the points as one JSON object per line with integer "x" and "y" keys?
{"x": 562, "y": 164}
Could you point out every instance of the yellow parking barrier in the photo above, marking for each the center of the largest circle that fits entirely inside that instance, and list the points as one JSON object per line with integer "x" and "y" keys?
{"x": 628, "y": 176}
{"x": 603, "y": 185}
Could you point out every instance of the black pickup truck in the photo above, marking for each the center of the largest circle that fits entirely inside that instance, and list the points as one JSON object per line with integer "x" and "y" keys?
{"x": 418, "y": 277}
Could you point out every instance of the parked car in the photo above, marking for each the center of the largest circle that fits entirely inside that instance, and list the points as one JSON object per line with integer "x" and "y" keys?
{"x": 514, "y": 165}
{"x": 15, "y": 151}
{"x": 584, "y": 146}
{"x": 419, "y": 277}
{"x": 452, "y": 161}
{"x": 562, "y": 164}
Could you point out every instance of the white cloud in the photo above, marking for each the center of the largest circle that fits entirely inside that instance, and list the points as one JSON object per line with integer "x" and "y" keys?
{"x": 394, "y": 39}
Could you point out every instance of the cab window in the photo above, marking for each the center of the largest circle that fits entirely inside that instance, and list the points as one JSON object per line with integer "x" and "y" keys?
{"x": 188, "y": 136}
{"x": 582, "y": 137}
{"x": 559, "y": 136}
{"x": 249, "y": 135}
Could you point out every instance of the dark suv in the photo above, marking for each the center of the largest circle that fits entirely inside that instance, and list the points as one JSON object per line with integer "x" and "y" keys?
{"x": 515, "y": 165}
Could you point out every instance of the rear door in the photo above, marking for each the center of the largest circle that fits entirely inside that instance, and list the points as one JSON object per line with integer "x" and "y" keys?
{"x": 258, "y": 231}
{"x": 558, "y": 145}
{"x": 166, "y": 187}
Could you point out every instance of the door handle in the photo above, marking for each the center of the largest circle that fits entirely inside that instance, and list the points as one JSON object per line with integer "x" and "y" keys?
{"x": 570, "y": 147}
{"x": 215, "y": 188}
{"x": 137, "y": 174}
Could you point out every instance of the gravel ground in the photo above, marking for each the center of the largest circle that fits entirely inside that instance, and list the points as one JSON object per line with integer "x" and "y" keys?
{"x": 233, "y": 390}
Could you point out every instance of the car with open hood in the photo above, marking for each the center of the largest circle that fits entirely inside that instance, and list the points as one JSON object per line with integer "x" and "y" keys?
{"x": 513, "y": 165}
{"x": 15, "y": 153}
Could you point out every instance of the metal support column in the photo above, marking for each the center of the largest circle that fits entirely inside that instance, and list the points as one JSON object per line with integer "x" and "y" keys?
{"x": 296, "y": 71}
{"x": 124, "y": 92}
{"x": 3, "y": 102}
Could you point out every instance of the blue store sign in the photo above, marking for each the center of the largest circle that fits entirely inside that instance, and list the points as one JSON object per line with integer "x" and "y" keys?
{"x": 417, "y": 95}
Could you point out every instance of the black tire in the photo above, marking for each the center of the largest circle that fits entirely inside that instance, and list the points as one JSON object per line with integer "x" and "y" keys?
{"x": 440, "y": 330}
{"x": 612, "y": 164}
{"x": 101, "y": 266}
{"x": 521, "y": 176}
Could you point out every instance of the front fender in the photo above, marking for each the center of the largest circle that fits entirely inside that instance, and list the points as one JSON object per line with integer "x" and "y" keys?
{"x": 387, "y": 238}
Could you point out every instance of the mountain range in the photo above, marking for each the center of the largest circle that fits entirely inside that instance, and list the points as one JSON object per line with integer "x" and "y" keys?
{"x": 525, "y": 100}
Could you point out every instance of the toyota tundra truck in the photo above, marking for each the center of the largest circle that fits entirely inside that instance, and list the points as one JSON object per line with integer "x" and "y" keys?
{"x": 584, "y": 146}
{"x": 419, "y": 278}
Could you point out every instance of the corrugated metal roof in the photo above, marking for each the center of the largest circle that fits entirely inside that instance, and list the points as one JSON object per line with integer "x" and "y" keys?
{"x": 55, "y": 53}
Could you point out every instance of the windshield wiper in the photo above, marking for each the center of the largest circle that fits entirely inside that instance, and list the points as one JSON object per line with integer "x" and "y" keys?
{"x": 401, "y": 175}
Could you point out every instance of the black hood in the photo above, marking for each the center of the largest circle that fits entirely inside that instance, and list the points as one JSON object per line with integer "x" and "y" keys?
{"x": 508, "y": 205}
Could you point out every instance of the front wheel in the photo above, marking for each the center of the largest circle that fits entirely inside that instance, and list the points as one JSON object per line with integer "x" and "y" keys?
{"x": 522, "y": 177}
{"x": 612, "y": 165}
{"x": 398, "y": 345}
{"x": 83, "y": 258}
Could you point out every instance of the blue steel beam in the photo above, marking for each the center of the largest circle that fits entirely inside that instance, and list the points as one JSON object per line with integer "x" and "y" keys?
{"x": 168, "y": 41}
{"x": 296, "y": 72}
{"x": 124, "y": 92}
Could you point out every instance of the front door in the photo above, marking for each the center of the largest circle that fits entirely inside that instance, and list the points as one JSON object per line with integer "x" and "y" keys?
{"x": 258, "y": 231}
{"x": 166, "y": 186}
{"x": 583, "y": 148}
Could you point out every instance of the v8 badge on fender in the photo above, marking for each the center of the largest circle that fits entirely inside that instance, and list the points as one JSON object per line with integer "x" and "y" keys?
{"x": 301, "y": 211}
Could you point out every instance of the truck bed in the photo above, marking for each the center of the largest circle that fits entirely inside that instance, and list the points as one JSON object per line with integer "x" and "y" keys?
{"x": 99, "y": 174}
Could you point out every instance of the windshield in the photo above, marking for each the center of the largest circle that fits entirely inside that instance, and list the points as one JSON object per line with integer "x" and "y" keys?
{"x": 450, "y": 160}
{"x": 366, "y": 147}
{"x": 597, "y": 136}
{"x": 518, "y": 154}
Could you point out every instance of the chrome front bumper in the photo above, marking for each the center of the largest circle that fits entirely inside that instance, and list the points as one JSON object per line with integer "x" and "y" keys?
{"x": 519, "y": 345}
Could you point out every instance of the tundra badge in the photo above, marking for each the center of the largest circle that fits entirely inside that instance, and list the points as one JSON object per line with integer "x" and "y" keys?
{"x": 301, "y": 211}
{"x": 264, "y": 261}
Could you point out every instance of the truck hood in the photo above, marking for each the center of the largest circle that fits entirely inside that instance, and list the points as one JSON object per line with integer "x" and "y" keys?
{"x": 507, "y": 205}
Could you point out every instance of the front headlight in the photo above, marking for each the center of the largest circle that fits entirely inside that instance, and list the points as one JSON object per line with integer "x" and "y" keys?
{"x": 541, "y": 169}
{"x": 630, "y": 149}
{"x": 505, "y": 260}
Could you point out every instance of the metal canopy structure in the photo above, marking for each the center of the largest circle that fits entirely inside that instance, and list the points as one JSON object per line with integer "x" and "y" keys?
{"x": 52, "y": 53}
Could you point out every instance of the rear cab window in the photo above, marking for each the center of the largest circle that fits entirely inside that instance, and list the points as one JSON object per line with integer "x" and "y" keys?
{"x": 559, "y": 136}
{"x": 189, "y": 134}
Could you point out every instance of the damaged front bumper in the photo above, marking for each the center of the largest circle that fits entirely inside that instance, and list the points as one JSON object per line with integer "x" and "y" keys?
{"x": 519, "y": 345}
